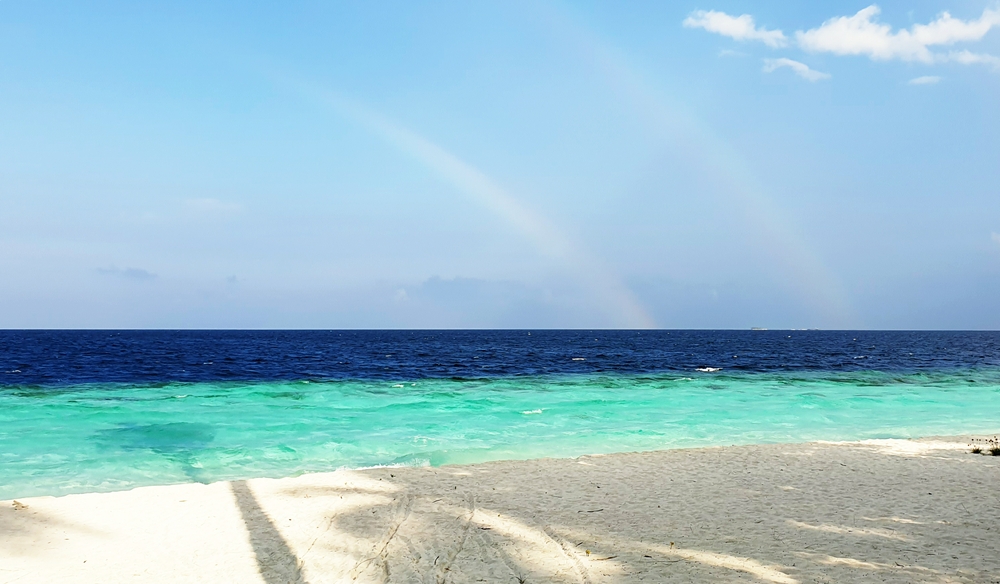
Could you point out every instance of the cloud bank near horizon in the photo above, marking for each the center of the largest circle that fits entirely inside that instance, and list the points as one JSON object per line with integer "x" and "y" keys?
{"x": 137, "y": 274}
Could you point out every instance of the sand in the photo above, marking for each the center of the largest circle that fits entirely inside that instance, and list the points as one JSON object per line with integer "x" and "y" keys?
{"x": 876, "y": 511}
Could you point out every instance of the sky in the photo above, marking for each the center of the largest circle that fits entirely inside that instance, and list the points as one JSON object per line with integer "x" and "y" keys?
{"x": 509, "y": 164}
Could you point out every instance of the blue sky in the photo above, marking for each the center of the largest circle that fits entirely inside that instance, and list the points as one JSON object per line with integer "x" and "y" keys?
{"x": 507, "y": 164}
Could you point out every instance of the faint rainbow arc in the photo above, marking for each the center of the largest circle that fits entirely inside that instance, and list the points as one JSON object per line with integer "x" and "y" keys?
{"x": 607, "y": 286}
{"x": 814, "y": 282}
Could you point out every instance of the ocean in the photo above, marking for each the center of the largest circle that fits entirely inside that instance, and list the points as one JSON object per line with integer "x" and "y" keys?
{"x": 84, "y": 411}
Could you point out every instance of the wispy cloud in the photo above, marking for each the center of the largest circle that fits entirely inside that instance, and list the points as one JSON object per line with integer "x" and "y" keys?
{"x": 925, "y": 80}
{"x": 996, "y": 237}
{"x": 862, "y": 34}
{"x": 969, "y": 58}
{"x": 800, "y": 69}
{"x": 210, "y": 205}
{"x": 731, "y": 53}
{"x": 741, "y": 28}
{"x": 127, "y": 273}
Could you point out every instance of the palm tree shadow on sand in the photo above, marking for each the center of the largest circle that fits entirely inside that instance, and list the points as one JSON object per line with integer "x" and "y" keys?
{"x": 275, "y": 560}
{"x": 181, "y": 442}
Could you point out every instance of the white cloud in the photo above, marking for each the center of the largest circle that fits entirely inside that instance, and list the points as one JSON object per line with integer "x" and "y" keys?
{"x": 925, "y": 80}
{"x": 996, "y": 237}
{"x": 800, "y": 69}
{"x": 741, "y": 28}
{"x": 861, "y": 34}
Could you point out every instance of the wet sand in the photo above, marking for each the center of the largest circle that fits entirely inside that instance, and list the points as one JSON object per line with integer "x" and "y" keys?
{"x": 876, "y": 511}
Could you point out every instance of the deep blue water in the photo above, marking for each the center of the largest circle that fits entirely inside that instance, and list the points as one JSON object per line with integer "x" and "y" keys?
{"x": 52, "y": 358}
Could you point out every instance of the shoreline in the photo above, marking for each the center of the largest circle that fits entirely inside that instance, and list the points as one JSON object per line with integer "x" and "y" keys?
{"x": 423, "y": 463}
{"x": 877, "y": 510}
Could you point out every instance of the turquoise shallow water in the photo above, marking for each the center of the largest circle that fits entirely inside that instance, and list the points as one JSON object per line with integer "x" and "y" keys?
{"x": 102, "y": 437}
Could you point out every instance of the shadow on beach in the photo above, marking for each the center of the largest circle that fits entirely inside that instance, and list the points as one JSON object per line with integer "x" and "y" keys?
{"x": 783, "y": 514}
{"x": 276, "y": 561}
{"x": 883, "y": 511}
{"x": 181, "y": 442}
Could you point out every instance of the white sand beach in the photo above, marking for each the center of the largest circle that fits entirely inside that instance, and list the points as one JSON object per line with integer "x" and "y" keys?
{"x": 875, "y": 511}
